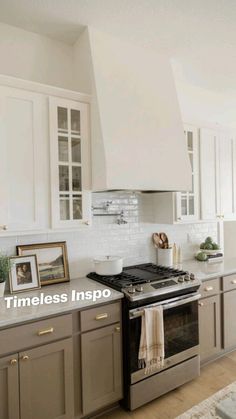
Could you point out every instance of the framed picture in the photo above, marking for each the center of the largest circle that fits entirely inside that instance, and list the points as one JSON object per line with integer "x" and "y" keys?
{"x": 52, "y": 261}
{"x": 24, "y": 274}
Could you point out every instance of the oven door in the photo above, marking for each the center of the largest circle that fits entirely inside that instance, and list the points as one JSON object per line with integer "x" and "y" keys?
{"x": 180, "y": 333}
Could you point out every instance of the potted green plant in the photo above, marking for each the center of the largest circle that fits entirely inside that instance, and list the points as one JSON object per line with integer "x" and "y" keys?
{"x": 4, "y": 272}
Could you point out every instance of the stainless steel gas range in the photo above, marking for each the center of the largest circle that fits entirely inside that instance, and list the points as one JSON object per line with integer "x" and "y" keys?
{"x": 148, "y": 285}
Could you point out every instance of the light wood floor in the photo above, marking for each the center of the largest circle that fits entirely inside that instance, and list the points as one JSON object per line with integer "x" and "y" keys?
{"x": 214, "y": 377}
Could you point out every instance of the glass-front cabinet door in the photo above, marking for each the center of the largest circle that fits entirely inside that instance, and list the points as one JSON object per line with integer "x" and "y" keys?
{"x": 187, "y": 203}
{"x": 70, "y": 163}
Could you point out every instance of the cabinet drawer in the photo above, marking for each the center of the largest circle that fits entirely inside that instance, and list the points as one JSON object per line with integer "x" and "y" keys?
{"x": 229, "y": 282}
{"x": 34, "y": 334}
{"x": 210, "y": 287}
{"x": 100, "y": 316}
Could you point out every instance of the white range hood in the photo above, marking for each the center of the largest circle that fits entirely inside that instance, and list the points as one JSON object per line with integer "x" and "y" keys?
{"x": 137, "y": 134}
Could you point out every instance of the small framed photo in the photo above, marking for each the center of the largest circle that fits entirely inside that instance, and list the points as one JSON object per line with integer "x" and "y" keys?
{"x": 24, "y": 274}
{"x": 52, "y": 261}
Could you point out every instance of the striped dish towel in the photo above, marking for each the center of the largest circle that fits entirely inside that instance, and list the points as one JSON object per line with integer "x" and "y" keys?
{"x": 151, "y": 348}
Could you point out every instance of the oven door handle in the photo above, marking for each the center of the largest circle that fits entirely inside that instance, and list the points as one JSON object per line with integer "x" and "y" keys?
{"x": 166, "y": 306}
{"x": 181, "y": 302}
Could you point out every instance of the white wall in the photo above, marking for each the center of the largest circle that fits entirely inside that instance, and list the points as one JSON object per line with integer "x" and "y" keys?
{"x": 34, "y": 57}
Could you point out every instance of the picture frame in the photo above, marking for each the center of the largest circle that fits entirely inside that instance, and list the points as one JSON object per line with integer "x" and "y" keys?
{"x": 52, "y": 261}
{"x": 24, "y": 274}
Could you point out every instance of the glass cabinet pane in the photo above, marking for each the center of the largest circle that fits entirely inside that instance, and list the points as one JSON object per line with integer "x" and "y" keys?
{"x": 184, "y": 210}
{"x": 77, "y": 208}
{"x": 191, "y": 205}
{"x": 75, "y": 121}
{"x": 76, "y": 178}
{"x": 63, "y": 149}
{"x": 190, "y": 140}
{"x": 63, "y": 178}
{"x": 75, "y": 150}
{"x": 64, "y": 208}
{"x": 62, "y": 118}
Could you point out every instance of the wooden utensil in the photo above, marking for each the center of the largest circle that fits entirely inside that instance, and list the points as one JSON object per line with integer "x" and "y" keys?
{"x": 164, "y": 240}
{"x": 157, "y": 240}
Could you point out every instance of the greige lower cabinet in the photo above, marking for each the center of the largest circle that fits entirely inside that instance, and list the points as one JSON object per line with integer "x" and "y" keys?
{"x": 101, "y": 360}
{"x": 209, "y": 327}
{"x": 46, "y": 381}
{"x": 229, "y": 307}
{"x": 44, "y": 376}
{"x": 9, "y": 387}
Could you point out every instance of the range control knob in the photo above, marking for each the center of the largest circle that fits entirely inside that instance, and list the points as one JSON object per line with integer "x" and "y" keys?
{"x": 187, "y": 277}
{"x": 139, "y": 288}
{"x": 131, "y": 289}
{"x": 180, "y": 279}
{"x": 192, "y": 277}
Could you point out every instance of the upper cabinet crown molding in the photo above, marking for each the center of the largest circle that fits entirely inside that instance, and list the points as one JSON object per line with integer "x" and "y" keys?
{"x": 44, "y": 89}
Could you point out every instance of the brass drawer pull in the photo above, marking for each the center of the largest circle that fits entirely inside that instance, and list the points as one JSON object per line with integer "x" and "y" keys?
{"x": 117, "y": 328}
{"x": 25, "y": 358}
{"x": 233, "y": 282}
{"x": 46, "y": 331}
{"x": 13, "y": 361}
{"x": 101, "y": 316}
{"x": 208, "y": 289}
{"x": 201, "y": 304}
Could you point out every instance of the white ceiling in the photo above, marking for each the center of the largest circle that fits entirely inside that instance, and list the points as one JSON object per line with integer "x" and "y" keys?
{"x": 199, "y": 35}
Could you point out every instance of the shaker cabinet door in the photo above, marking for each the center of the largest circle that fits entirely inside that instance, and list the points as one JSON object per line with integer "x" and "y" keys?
{"x": 46, "y": 377}
{"x": 9, "y": 387}
{"x": 22, "y": 167}
{"x": 229, "y": 313}
{"x": 209, "y": 327}
{"x": 101, "y": 368}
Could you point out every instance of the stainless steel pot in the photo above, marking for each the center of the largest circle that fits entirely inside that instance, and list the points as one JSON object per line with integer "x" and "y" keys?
{"x": 108, "y": 265}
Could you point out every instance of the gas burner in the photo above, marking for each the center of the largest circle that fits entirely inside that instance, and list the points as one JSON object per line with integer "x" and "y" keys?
{"x": 147, "y": 280}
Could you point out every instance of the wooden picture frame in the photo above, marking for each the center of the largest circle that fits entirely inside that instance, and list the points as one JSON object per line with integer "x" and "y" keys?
{"x": 24, "y": 274}
{"x": 52, "y": 261}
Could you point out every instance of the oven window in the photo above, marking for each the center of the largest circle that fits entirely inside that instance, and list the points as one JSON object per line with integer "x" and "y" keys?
{"x": 181, "y": 328}
{"x": 180, "y": 332}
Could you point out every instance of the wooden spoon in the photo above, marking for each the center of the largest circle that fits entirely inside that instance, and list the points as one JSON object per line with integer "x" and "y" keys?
{"x": 157, "y": 240}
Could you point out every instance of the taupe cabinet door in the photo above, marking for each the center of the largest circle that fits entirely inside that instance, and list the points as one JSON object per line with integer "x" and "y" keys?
{"x": 101, "y": 367}
{"x": 46, "y": 382}
{"x": 229, "y": 315}
{"x": 209, "y": 327}
{"x": 9, "y": 387}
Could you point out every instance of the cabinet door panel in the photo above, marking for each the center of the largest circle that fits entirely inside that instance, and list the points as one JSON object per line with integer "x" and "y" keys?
{"x": 226, "y": 175}
{"x": 9, "y": 388}
{"x": 229, "y": 311}
{"x": 21, "y": 124}
{"x": 47, "y": 382}
{"x": 101, "y": 368}
{"x": 209, "y": 327}
{"x": 209, "y": 173}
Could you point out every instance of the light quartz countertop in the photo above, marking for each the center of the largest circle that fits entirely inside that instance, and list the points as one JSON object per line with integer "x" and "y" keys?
{"x": 15, "y": 315}
{"x": 205, "y": 270}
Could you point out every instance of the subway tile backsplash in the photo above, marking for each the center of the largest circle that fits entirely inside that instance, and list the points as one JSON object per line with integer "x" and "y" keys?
{"x": 131, "y": 240}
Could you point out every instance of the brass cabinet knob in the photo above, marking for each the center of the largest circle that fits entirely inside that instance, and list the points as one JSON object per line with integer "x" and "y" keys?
{"x": 233, "y": 282}
{"x": 13, "y": 361}
{"x": 25, "y": 358}
{"x": 3, "y": 227}
{"x": 201, "y": 304}
{"x": 117, "y": 328}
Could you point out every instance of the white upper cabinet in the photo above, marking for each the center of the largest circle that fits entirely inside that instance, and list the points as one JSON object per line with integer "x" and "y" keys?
{"x": 187, "y": 203}
{"x": 21, "y": 206}
{"x": 70, "y": 163}
{"x": 181, "y": 207}
{"x": 218, "y": 169}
